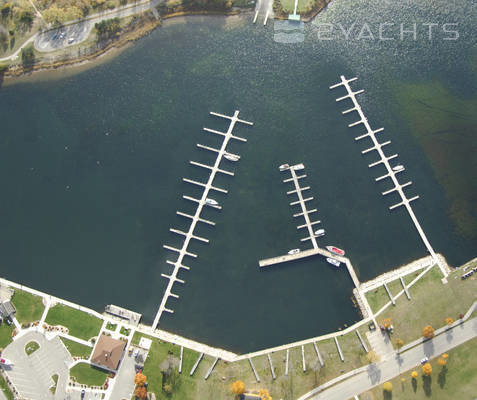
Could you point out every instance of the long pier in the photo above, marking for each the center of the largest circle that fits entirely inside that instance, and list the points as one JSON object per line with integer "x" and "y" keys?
{"x": 203, "y": 201}
{"x": 383, "y": 159}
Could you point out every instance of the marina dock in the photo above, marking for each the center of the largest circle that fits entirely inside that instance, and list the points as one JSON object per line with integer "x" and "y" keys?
{"x": 203, "y": 201}
{"x": 384, "y": 160}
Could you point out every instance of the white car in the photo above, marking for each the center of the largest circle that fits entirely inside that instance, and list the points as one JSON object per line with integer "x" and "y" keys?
{"x": 71, "y": 40}
{"x": 424, "y": 360}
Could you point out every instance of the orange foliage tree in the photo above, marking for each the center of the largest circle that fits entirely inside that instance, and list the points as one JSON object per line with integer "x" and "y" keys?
{"x": 414, "y": 374}
{"x": 387, "y": 386}
{"x": 238, "y": 387}
{"x": 264, "y": 395}
{"x": 445, "y": 356}
{"x": 387, "y": 323}
{"x": 399, "y": 343}
{"x": 427, "y": 369}
{"x": 449, "y": 321}
{"x": 441, "y": 362}
{"x": 140, "y": 392}
{"x": 140, "y": 379}
{"x": 428, "y": 332}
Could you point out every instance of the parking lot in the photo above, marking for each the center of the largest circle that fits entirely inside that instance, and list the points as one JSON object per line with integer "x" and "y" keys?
{"x": 32, "y": 375}
{"x": 62, "y": 37}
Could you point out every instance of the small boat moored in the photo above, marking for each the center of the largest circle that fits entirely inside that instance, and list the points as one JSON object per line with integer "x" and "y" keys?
{"x": 333, "y": 261}
{"x": 398, "y": 168}
{"x": 298, "y": 167}
{"x": 336, "y": 250}
{"x": 283, "y": 167}
{"x": 211, "y": 202}
{"x": 319, "y": 232}
{"x": 294, "y": 251}
{"x": 231, "y": 157}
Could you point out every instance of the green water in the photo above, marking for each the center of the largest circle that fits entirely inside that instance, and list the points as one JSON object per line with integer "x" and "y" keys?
{"x": 91, "y": 168}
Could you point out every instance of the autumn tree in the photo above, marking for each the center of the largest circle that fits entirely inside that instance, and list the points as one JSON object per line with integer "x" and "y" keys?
{"x": 264, "y": 395}
{"x": 140, "y": 379}
{"x": 372, "y": 357}
{"x": 427, "y": 369}
{"x": 399, "y": 343}
{"x": 449, "y": 321}
{"x": 238, "y": 387}
{"x": 387, "y": 386}
{"x": 428, "y": 332}
{"x": 445, "y": 356}
{"x": 140, "y": 392}
{"x": 387, "y": 323}
{"x": 441, "y": 362}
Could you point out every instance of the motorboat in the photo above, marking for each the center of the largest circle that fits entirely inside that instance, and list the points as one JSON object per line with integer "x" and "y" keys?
{"x": 298, "y": 167}
{"x": 283, "y": 167}
{"x": 333, "y": 261}
{"x": 294, "y": 251}
{"x": 336, "y": 250}
{"x": 231, "y": 157}
{"x": 319, "y": 232}
{"x": 398, "y": 168}
{"x": 5, "y": 361}
{"x": 211, "y": 202}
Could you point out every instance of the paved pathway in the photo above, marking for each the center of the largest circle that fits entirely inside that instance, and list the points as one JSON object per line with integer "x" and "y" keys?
{"x": 376, "y": 374}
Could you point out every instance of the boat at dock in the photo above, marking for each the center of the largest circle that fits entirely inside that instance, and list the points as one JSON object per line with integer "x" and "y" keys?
{"x": 283, "y": 167}
{"x": 294, "y": 251}
{"x": 319, "y": 232}
{"x": 333, "y": 261}
{"x": 211, "y": 202}
{"x": 299, "y": 167}
{"x": 231, "y": 157}
{"x": 398, "y": 168}
{"x": 336, "y": 250}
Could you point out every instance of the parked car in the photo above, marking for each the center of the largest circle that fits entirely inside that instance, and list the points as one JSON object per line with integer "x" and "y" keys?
{"x": 425, "y": 360}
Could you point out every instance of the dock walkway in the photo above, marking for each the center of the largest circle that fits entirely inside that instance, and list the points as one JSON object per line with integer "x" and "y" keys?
{"x": 203, "y": 201}
{"x": 384, "y": 159}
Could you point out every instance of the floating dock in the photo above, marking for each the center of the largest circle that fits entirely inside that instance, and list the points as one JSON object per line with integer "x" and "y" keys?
{"x": 203, "y": 201}
{"x": 384, "y": 160}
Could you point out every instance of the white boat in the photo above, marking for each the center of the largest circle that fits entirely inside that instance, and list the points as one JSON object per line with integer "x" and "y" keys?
{"x": 294, "y": 251}
{"x": 398, "y": 168}
{"x": 333, "y": 261}
{"x": 211, "y": 202}
{"x": 231, "y": 157}
{"x": 319, "y": 232}
{"x": 283, "y": 167}
{"x": 298, "y": 167}
{"x": 5, "y": 361}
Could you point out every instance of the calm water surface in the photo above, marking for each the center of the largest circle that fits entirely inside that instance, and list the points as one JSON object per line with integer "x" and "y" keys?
{"x": 91, "y": 169}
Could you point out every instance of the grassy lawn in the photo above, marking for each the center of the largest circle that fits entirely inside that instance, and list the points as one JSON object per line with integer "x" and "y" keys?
{"x": 5, "y": 334}
{"x": 80, "y": 324}
{"x": 29, "y": 307}
{"x": 111, "y": 327}
{"x": 377, "y": 298}
{"x": 455, "y": 381}
{"x": 31, "y": 347}
{"x": 88, "y": 375}
{"x": 431, "y": 303}
{"x": 77, "y": 349}
{"x": 302, "y": 6}
{"x": 5, "y": 388}
{"x": 284, "y": 387}
{"x": 124, "y": 331}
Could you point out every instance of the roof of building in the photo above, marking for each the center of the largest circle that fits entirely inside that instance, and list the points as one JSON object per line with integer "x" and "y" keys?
{"x": 6, "y": 309}
{"x": 108, "y": 351}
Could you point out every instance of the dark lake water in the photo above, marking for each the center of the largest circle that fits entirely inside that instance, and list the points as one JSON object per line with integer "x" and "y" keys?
{"x": 91, "y": 168}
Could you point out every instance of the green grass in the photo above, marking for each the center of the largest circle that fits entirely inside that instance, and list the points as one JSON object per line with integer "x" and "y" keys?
{"x": 31, "y": 347}
{"x": 124, "y": 331}
{"x": 29, "y": 307}
{"x": 302, "y": 6}
{"x": 55, "y": 380}
{"x": 5, "y": 334}
{"x": 80, "y": 324}
{"x": 5, "y": 388}
{"x": 77, "y": 349}
{"x": 88, "y": 375}
{"x": 377, "y": 298}
{"x": 455, "y": 381}
{"x": 431, "y": 303}
{"x": 111, "y": 327}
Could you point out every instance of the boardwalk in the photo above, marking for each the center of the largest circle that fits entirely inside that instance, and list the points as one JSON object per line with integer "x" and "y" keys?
{"x": 203, "y": 201}
{"x": 383, "y": 159}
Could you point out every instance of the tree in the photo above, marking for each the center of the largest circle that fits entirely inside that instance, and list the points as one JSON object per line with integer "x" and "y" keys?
{"x": 264, "y": 395}
{"x": 238, "y": 387}
{"x": 445, "y": 356}
{"x": 28, "y": 56}
{"x": 427, "y": 369}
{"x": 399, "y": 343}
{"x": 387, "y": 386}
{"x": 414, "y": 374}
{"x": 387, "y": 323}
{"x": 441, "y": 362}
{"x": 372, "y": 357}
{"x": 428, "y": 332}
{"x": 140, "y": 392}
{"x": 140, "y": 379}
{"x": 167, "y": 388}
{"x": 449, "y": 321}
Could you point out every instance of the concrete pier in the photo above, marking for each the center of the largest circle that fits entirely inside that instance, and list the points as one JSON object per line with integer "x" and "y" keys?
{"x": 180, "y": 359}
{"x": 320, "y": 359}
{"x": 211, "y": 368}
{"x": 203, "y": 201}
{"x": 201, "y": 355}
{"x": 254, "y": 370}
{"x": 339, "y": 349}
{"x": 383, "y": 159}
{"x": 272, "y": 370}
{"x": 303, "y": 358}
{"x": 286, "y": 362}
